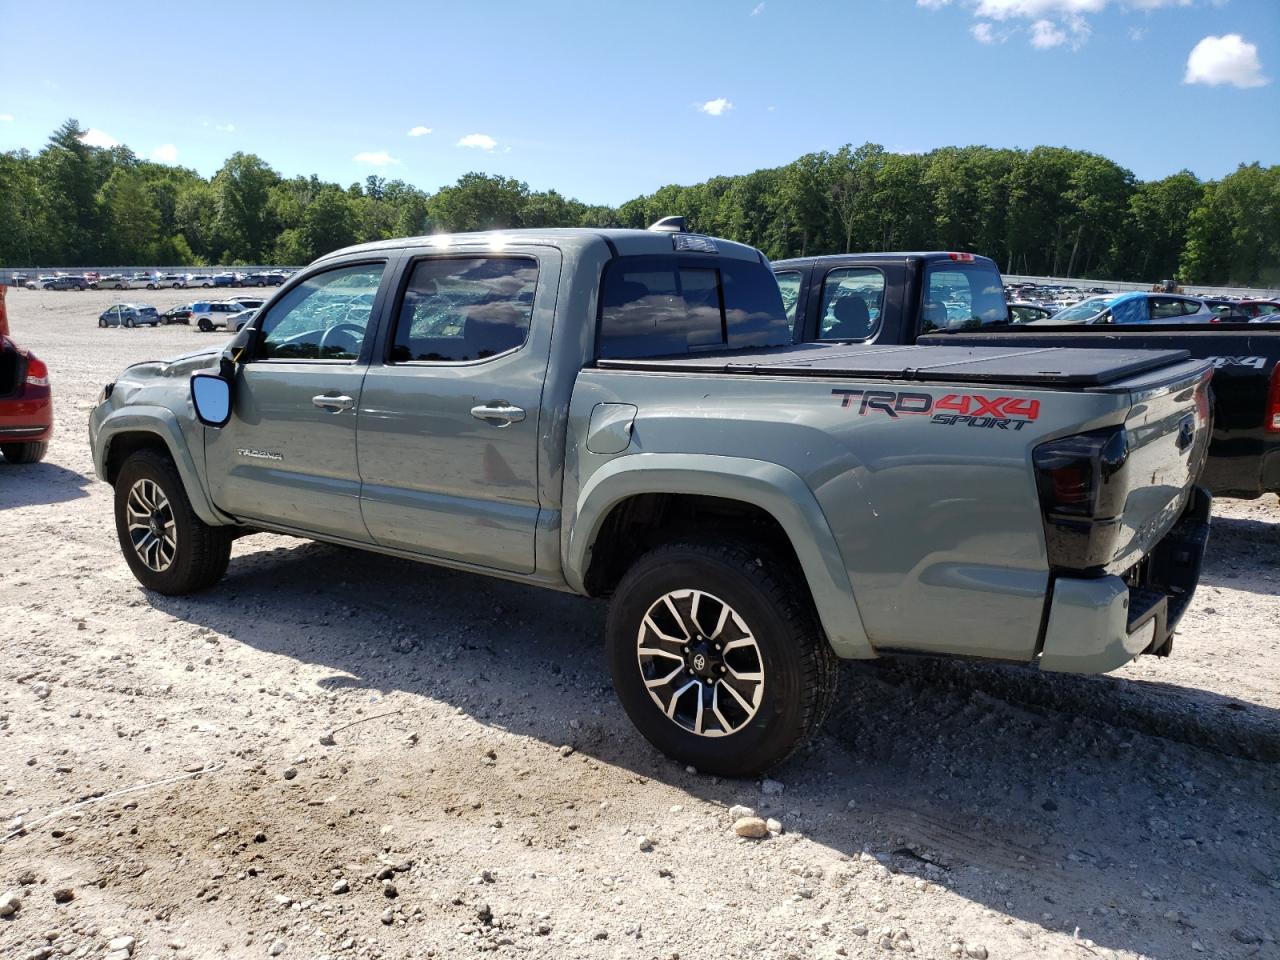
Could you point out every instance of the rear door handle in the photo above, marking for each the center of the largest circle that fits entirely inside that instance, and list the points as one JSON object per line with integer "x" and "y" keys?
{"x": 498, "y": 413}
{"x": 333, "y": 404}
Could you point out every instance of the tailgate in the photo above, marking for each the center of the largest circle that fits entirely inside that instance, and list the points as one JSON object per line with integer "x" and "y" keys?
{"x": 1142, "y": 473}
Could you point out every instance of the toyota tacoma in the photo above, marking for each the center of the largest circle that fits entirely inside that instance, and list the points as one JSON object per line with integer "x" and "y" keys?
{"x": 622, "y": 414}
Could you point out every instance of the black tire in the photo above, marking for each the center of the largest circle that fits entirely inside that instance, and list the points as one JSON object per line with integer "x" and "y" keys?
{"x": 204, "y": 325}
{"x": 130, "y": 322}
{"x": 29, "y": 452}
{"x": 102, "y": 323}
{"x": 202, "y": 552}
{"x": 798, "y": 666}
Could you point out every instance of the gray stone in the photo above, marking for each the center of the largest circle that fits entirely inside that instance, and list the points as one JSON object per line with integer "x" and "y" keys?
{"x": 771, "y": 788}
{"x": 340, "y": 886}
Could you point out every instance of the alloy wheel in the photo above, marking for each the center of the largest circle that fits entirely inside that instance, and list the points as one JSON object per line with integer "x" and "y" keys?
{"x": 700, "y": 663}
{"x": 151, "y": 525}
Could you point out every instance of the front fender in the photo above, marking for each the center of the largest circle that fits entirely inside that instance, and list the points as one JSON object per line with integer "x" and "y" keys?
{"x": 773, "y": 488}
{"x": 163, "y": 423}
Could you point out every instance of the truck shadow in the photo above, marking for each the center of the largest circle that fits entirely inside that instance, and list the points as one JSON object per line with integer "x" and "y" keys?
{"x": 32, "y": 484}
{"x": 1014, "y": 790}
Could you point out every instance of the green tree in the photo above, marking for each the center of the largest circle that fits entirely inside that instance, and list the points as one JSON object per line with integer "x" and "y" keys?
{"x": 242, "y": 217}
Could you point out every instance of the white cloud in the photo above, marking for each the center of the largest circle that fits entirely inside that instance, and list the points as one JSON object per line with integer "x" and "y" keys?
{"x": 717, "y": 106}
{"x": 96, "y": 138}
{"x": 985, "y": 32}
{"x": 165, "y": 153}
{"x": 6, "y": 117}
{"x": 1036, "y": 9}
{"x": 1227, "y": 59}
{"x": 225, "y": 127}
{"x": 757, "y": 9}
{"x": 1137, "y": 34}
{"x": 478, "y": 141}
{"x": 1045, "y": 35}
{"x": 377, "y": 158}
{"x": 1050, "y": 23}
{"x": 419, "y": 131}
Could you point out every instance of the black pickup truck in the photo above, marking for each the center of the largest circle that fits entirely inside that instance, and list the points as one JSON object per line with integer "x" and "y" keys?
{"x": 958, "y": 299}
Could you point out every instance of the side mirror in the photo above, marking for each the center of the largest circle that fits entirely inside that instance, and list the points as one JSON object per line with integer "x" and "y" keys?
{"x": 211, "y": 396}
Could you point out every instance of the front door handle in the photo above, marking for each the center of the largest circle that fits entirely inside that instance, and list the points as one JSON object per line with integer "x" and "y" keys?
{"x": 333, "y": 404}
{"x": 498, "y": 413}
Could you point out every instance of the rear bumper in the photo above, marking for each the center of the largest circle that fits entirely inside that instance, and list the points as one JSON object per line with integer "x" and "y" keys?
{"x": 26, "y": 419}
{"x": 1099, "y": 624}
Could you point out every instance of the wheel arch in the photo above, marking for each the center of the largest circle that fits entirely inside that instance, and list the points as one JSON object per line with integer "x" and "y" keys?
{"x": 628, "y": 505}
{"x": 156, "y": 428}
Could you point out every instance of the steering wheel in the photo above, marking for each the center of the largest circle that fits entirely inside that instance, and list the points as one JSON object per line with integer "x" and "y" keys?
{"x": 356, "y": 332}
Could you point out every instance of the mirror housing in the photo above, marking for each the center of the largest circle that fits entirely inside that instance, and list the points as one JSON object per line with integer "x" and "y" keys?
{"x": 211, "y": 397}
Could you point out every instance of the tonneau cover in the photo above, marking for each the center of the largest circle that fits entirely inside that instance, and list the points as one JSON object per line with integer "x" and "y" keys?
{"x": 1043, "y": 366}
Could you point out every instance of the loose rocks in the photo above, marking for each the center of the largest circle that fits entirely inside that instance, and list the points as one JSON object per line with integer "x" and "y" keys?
{"x": 752, "y": 827}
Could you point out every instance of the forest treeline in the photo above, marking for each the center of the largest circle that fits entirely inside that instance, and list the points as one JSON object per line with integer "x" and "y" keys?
{"x": 1048, "y": 210}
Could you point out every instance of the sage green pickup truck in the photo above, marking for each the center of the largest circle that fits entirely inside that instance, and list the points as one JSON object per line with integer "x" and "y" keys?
{"x": 622, "y": 414}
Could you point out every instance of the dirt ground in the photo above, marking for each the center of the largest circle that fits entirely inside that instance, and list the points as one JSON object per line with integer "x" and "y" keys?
{"x": 493, "y": 798}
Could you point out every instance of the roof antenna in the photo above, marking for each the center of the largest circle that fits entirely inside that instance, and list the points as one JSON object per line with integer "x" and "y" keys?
{"x": 670, "y": 225}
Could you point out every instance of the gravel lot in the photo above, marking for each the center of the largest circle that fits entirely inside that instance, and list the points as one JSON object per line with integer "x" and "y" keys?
{"x": 494, "y": 799}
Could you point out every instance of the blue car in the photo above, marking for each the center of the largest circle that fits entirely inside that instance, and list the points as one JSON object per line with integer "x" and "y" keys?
{"x": 1134, "y": 308}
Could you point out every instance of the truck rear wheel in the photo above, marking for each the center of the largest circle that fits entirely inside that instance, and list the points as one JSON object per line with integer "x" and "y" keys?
{"x": 168, "y": 548}
{"x": 718, "y": 657}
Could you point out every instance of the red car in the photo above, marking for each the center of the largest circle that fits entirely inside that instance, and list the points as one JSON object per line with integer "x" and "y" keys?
{"x": 1261, "y": 308}
{"x": 26, "y": 405}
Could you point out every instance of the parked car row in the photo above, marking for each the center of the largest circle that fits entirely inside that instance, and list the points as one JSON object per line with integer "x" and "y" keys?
{"x": 152, "y": 281}
{"x": 206, "y": 315}
{"x": 1030, "y": 302}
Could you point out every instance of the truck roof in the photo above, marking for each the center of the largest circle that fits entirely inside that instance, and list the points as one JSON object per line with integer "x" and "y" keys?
{"x": 620, "y": 242}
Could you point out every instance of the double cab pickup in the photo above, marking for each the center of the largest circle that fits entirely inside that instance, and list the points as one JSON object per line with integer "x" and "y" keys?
{"x": 623, "y": 414}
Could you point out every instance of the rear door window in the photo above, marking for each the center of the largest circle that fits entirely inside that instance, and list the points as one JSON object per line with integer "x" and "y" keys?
{"x": 463, "y": 309}
{"x": 652, "y": 306}
{"x": 852, "y": 302}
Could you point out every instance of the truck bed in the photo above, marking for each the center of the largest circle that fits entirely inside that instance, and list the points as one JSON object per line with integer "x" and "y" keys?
{"x": 1041, "y": 367}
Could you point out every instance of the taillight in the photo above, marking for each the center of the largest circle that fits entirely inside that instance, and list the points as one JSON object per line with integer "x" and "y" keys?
{"x": 1273, "y": 402}
{"x": 37, "y": 373}
{"x": 1072, "y": 473}
{"x": 1080, "y": 480}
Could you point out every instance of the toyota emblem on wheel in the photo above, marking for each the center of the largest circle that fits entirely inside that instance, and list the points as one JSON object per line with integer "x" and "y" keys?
{"x": 699, "y": 663}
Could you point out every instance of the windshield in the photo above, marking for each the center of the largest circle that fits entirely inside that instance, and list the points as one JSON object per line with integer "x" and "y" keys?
{"x": 962, "y": 296}
{"x": 1080, "y": 312}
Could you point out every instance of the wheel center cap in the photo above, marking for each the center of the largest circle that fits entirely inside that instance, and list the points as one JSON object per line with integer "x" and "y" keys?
{"x": 699, "y": 662}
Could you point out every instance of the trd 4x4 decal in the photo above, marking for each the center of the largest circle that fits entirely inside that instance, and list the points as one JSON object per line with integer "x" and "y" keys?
{"x": 955, "y": 409}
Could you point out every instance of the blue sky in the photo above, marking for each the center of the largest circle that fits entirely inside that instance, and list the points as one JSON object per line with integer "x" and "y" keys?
{"x": 604, "y": 101}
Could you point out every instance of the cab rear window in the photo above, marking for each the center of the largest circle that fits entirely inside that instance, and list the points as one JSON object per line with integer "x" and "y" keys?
{"x": 654, "y": 306}
{"x": 961, "y": 296}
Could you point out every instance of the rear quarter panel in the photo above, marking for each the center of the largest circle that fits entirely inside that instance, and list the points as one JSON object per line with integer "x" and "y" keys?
{"x": 1244, "y": 459}
{"x": 938, "y": 523}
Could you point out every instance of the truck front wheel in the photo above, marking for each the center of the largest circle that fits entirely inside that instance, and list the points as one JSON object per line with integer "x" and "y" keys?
{"x": 168, "y": 548}
{"x": 718, "y": 657}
